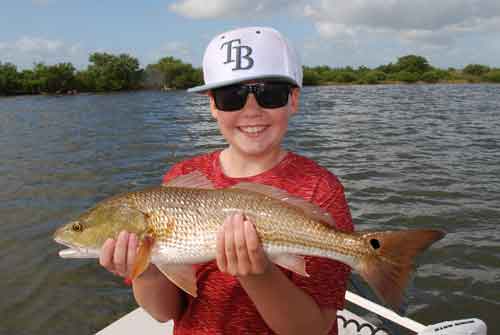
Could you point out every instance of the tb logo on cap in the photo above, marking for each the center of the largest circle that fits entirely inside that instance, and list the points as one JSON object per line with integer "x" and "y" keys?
{"x": 239, "y": 56}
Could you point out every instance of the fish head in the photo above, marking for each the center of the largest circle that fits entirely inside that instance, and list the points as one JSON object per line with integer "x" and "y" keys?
{"x": 85, "y": 236}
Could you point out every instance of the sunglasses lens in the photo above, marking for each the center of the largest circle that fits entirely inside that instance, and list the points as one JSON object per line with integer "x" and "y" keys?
{"x": 230, "y": 98}
{"x": 273, "y": 95}
{"x": 268, "y": 95}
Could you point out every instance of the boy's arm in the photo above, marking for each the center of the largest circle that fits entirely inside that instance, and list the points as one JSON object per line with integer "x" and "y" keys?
{"x": 152, "y": 291}
{"x": 158, "y": 295}
{"x": 286, "y": 308}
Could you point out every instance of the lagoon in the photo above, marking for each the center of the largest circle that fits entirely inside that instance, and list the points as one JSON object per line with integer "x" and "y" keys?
{"x": 408, "y": 155}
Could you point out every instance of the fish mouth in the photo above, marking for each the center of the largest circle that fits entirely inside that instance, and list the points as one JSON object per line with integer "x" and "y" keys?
{"x": 75, "y": 251}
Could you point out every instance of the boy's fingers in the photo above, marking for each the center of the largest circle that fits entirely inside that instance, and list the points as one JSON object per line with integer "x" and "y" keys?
{"x": 106, "y": 255}
{"x": 220, "y": 254}
{"x": 229, "y": 246}
{"x": 120, "y": 255}
{"x": 131, "y": 252}
{"x": 255, "y": 252}
{"x": 244, "y": 265}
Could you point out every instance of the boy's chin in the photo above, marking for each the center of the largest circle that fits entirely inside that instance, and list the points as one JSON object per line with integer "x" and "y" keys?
{"x": 258, "y": 151}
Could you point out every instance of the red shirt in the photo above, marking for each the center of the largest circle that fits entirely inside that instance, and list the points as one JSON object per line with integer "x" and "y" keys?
{"x": 222, "y": 306}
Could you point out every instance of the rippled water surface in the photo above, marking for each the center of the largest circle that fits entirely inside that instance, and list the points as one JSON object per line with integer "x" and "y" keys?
{"x": 409, "y": 156}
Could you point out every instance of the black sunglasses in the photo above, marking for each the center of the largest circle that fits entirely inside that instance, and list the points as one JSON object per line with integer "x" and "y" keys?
{"x": 268, "y": 95}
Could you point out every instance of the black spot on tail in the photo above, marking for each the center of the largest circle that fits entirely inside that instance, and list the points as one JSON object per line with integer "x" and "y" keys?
{"x": 375, "y": 243}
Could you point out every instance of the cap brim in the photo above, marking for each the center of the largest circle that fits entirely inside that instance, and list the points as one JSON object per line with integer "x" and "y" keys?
{"x": 206, "y": 88}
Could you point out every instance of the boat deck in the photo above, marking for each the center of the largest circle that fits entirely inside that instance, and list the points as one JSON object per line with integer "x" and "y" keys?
{"x": 139, "y": 321}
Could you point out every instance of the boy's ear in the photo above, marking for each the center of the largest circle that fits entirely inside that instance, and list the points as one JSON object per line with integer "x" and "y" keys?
{"x": 213, "y": 109}
{"x": 294, "y": 101}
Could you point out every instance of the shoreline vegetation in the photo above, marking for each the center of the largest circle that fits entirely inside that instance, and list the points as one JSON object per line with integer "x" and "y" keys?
{"x": 110, "y": 73}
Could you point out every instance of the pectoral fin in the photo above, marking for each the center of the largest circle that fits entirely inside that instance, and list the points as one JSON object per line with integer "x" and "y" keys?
{"x": 291, "y": 262}
{"x": 183, "y": 276}
{"x": 143, "y": 257}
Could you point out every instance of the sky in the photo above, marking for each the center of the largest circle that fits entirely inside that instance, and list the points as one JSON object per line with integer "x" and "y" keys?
{"x": 337, "y": 33}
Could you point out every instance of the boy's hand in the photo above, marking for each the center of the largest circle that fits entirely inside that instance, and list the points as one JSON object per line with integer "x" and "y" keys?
{"x": 239, "y": 251}
{"x": 118, "y": 256}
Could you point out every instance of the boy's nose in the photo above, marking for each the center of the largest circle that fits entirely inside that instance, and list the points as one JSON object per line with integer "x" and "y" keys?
{"x": 251, "y": 105}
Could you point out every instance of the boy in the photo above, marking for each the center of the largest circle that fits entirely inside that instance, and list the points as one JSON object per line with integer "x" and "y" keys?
{"x": 253, "y": 79}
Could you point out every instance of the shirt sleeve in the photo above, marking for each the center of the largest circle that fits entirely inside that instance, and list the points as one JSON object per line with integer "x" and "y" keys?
{"x": 178, "y": 170}
{"x": 328, "y": 279}
{"x": 173, "y": 172}
{"x": 197, "y": 163}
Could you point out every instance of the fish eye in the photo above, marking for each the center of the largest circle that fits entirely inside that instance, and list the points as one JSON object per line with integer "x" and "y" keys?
{"x": 77, "y": 227}
{"x": 375, "y": 243}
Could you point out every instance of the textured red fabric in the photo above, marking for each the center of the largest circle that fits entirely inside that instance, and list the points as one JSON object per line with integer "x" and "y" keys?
{"x": 222, "y": 306}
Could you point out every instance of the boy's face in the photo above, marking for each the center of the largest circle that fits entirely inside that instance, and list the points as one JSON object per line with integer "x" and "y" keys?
{"x": 254, "y": 130}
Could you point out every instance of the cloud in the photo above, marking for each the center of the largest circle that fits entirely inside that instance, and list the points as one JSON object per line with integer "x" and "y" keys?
{"x": 203, "y": 9}
{"x": 430, "y": 38}
{"x": 373, "y": 32}
{"x": 335, "y": 30}
{"x": 28, "y": 50}
{"x": 393, "y": 28}
{"x": 37, "y": 45}
{"x": 477, "y": 25}
{"x": 372, "y": 14}
{"x": 425, "y": 22}
{"x": 401, "y": 14}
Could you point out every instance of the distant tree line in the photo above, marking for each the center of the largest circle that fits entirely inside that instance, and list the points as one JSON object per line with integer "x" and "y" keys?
{"x": 107, "y": 72}
{"x": 408, "y": 69}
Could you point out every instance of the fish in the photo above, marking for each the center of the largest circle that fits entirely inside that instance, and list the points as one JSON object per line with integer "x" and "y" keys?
{"x": 177, "y": 223}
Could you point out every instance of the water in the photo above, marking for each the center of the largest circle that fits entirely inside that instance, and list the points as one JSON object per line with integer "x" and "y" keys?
{"x": 409, "y": 156}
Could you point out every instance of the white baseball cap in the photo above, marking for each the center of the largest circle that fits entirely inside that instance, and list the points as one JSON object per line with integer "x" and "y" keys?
{"x": 249, "y": 54}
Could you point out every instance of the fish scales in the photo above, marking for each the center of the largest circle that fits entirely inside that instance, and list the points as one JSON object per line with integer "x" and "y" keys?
{"x": 188, "y": 219}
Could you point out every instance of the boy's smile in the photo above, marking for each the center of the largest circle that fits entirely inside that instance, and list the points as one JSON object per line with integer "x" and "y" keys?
{"x": 252, "y": 131}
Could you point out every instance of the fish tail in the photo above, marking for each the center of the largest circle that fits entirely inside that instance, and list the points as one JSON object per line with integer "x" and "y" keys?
{"x": 388, "y": 268}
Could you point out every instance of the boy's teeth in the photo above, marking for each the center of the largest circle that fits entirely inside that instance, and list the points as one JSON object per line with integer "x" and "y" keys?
{"x": 252, "y": 129}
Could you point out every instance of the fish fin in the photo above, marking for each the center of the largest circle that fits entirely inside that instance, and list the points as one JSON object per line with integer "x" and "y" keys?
{"x": 294, "y": 263}
{"x": 183, "y": 276}
{"x": 388, "y": 268}
{"x": 194, "y": 179}
{"x": 309, "y": 208}
{"x": 143, "y": 257}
